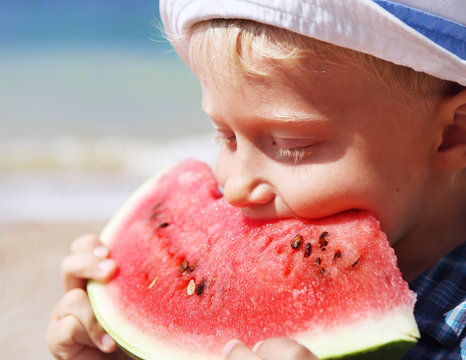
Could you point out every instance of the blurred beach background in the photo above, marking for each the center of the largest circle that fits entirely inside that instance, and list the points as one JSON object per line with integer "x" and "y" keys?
{"x": 93, "y": 100}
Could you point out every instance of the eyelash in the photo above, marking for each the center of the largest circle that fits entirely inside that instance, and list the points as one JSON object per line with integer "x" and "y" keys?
{"x": 279, "y": 153}
{"x": 296, "y": 155}
{"x": 221, "y": 139}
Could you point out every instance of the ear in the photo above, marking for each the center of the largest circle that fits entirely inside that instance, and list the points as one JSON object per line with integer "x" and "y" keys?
{"x": 451, "y": 153}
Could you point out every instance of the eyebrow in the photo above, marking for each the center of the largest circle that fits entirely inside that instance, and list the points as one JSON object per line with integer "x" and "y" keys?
{"x": 293, "y": 122}
{"x": 293, "y": 119}
{"x": 281, "y": 117}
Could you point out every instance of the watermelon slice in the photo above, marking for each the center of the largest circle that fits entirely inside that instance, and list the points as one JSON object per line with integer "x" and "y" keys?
{"x": 195, "y": 273}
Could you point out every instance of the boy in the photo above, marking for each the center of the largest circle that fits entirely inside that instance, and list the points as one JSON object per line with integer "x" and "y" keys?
{"x": 311, "y": 129}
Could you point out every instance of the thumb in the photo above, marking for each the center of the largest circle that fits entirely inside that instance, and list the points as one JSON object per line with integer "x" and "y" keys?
{"x": 283, "y": 348}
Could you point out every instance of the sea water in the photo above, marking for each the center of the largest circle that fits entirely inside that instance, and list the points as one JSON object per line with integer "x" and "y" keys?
{"x": 92, "y": 102}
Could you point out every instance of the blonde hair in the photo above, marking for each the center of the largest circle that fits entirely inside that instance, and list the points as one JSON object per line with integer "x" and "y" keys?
{"x": 244, "y": 41}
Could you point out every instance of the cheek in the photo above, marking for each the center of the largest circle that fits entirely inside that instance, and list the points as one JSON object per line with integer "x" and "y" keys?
{"x": 323, "y": 190}
{"x": 318, "y": 194}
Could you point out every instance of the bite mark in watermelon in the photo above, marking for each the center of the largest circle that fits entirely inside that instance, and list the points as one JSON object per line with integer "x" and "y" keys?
{"x": 195, "y": 273}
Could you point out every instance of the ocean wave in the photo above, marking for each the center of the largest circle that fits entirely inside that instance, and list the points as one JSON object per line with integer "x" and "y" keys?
{"x": 64, "y": 179}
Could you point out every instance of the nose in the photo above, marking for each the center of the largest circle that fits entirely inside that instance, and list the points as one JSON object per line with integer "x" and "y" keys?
{"x": 245, "y": 185}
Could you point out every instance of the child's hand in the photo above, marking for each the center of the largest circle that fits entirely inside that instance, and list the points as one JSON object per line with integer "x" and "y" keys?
{"x": 74, "y": 332}
{"x": 270, "y": 349}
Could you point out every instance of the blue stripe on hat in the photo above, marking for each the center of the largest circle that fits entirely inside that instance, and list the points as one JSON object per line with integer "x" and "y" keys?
{"x": 446, "y": 33}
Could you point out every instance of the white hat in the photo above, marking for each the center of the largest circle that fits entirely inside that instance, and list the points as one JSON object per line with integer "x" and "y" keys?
{"x": 426, "y": 35}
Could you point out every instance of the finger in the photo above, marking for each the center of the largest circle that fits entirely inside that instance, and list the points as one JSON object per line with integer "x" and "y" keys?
{"x": 77, "y": 268}
{"x": 236, "y": 350}
{"x": 283, "y": 348}
{"x": 74, "y": 314}
{"x": 86, "y": 243}
{"x": 64, "y": 339}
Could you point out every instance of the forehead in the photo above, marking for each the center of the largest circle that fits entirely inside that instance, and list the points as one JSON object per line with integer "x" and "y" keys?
{"x": 261, "y": 54}
{"x": 256, "y": 49}
{"x": 286, "y": 92}
{"x": 256, "y": 53}
{"x": 221, "y": 65}
{"x": 252, "y": 47}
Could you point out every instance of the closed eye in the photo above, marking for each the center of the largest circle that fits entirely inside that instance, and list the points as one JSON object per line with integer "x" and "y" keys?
{"x": 282, "y": 149}
{"x": 292, "y": 149}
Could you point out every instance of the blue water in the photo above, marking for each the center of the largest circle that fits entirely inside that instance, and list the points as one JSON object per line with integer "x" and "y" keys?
{"x": 85, "y": 22}
{"x": 92, "y": 67}
{"x": 92, "y": 101}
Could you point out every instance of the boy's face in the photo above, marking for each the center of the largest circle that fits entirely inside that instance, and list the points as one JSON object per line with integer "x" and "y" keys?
{"x": 315, "y": 142}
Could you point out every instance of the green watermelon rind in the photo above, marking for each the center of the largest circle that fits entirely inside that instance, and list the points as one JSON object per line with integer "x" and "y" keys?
{"x": 390, "y": 351}
{"x": 143, "y": 347}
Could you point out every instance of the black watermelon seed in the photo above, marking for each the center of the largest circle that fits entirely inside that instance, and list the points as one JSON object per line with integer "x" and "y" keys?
{"x": 307, "y": 250}
{"x": 296, "y": 242}
{"x": 184, "y": 266}
{"x": 322, "y": 239}
{"x": 200, "y": 287}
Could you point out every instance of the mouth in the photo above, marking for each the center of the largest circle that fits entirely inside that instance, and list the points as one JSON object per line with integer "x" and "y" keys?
{"x": 267, "y": 212}
{"x": 263, "y": 212}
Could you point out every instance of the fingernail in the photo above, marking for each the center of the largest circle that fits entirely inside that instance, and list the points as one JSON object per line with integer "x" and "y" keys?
{"x": 256, "y": 347}
{"x": 229, "y": 346}
{"x": 101, "y": 251}
{"x": 107, "y": 342}
{"x": 106, "y": 265}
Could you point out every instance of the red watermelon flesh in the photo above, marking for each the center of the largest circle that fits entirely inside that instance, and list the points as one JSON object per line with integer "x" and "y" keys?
{"x": 195, "y": 273}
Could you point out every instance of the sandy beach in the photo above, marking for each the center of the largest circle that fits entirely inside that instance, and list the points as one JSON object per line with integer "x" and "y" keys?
{"x": 93, "y": 102}
{"x": 43, "y": 210}
{"x": 30, "y": 258}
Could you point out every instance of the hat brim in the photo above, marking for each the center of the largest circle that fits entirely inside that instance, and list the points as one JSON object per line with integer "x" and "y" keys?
{"x": 361, "y": 25}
